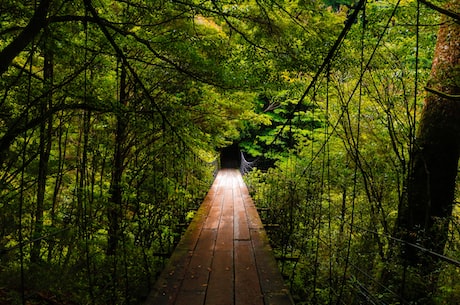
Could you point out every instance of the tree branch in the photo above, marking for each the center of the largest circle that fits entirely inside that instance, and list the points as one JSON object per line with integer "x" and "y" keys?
{"x": 234, "y": 28}
{"x": 21, "y": 124}
{"x": 441, "y": 10}
{"x": 453, "y": 97}
{"x": 113, "y": 26}
{"x": 21, "y": 127}
{"x": 12, "y": 29}
{"x": 36, "y": 23}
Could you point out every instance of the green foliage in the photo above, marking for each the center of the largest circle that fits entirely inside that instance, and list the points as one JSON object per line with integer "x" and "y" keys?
{"x": 336, "y": 194}
{"x": 130, "y": 106}
{"x": 164, "y": 121}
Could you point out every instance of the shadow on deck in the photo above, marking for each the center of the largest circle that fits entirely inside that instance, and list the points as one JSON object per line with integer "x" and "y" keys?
{"x": 224, "y": 257}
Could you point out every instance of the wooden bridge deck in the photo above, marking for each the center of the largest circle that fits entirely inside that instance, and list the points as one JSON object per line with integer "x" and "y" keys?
{"x": 224, "y": 257}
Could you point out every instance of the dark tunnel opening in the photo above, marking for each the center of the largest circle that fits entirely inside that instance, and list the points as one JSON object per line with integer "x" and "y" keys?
{"x": 230, "y": 157}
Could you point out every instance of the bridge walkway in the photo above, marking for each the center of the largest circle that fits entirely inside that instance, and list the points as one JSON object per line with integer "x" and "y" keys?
{"x": 224, "y": 257}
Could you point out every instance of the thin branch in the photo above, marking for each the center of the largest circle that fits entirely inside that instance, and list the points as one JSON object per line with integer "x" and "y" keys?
{"x": 125, "y": 61}
{"x": 233, "y": 27}
{"x": 36, "y": 23}
{"x": 451, "y": 14}
{"x": 453, "y": 97}
{"x": 21, "y": 125}
{"x": 12, "y": 29}
{"x": 69, "y": 18}
{"x": 177, "y": 66}
{"x": 330, "y": 55}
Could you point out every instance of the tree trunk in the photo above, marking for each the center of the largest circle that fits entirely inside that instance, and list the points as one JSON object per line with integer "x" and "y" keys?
{"x": 17, "y": 45}
{"x": 61, "y": 140}
{"x": 116, "y": 192}
{"x": 424, "y": 218}
{"x": 44, "y": 152}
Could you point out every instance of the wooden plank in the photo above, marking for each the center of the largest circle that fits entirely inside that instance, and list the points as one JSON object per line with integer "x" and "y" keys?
{"x": 206, "y": 242}
{"x": 169, "y": 284}
{"x": 240, "y": 219}
{"x": 241, "y": 226}
{"x": 221, "y": 289}
{"x": 167, "y": 287}
{"x": 254, "y": 221}
{"x": 271, "y": 282}
{"x": 224, "y": 240}
{"x": 197, "y": 273}
{"x": 247, "y": 287}
{"x": 224, "y": 257}
{"x": 212, "y": 221}
{"x": 190, "y": 298}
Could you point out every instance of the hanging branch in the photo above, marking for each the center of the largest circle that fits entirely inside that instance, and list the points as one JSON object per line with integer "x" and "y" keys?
{"x": 36, "y": 24}
{"x": 233, "y": 27}
{"x": 22, "y": 123}
{"x": 451, "y": 14}
{"x": 134, "y": 74}
{"x": 326, "y": 62}
{"x": 108, "y": 24}
{"x": 453, "y": 97}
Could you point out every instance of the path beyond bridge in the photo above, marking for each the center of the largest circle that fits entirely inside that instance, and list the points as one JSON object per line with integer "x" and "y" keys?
{"x": 224, "y": 257}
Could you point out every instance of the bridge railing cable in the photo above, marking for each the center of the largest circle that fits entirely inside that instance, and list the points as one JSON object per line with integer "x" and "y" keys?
{"x": 442, "y": 257}
{"x": 355, "y": 153}
{"x": 327, "y": 60}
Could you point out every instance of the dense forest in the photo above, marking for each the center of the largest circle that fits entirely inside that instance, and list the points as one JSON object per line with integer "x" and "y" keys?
{"x": 113, "y": 115}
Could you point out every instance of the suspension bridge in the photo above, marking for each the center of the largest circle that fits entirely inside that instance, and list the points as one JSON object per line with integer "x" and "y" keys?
{"x": 344, "y": 146}
{"x": 224, "y": 257}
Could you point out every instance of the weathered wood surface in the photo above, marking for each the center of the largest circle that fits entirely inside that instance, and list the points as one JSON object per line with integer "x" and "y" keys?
{"x": 224, "y": 257}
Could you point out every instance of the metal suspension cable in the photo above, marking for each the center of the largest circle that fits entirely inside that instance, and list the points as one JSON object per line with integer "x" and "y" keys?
{"x": 21, "y": 245}
{"x": 21, "y": 208}
{"x": 363, "y": 70}
{"x": 356, "y": 147}
{"x": 366, "y": 274}
{"x": 85, "y": 221}
{"x": 360, "y": 79}
{"x": 386, "y": 288}
{"x": 324, "y": 175}
{"x": 328, "y": 175}
{"x": 330, "y": 55}
{"x": 326, "y": 63}
{"x": 245, "y": 165}
{"x": 417, "y": 47}
{"x": 418, "y": 247}
{"x": 319, "y": 198}
{"x": 355, "y": 89}
{"x": 23, "y": 171}
{"x": 414, "y": 113}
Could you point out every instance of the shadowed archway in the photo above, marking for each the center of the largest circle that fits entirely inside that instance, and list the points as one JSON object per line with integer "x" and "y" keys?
{"x": 230, "y": 156}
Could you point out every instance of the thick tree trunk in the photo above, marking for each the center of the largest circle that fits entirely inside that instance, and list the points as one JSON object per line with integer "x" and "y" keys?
{"x": 424, "y": 218}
